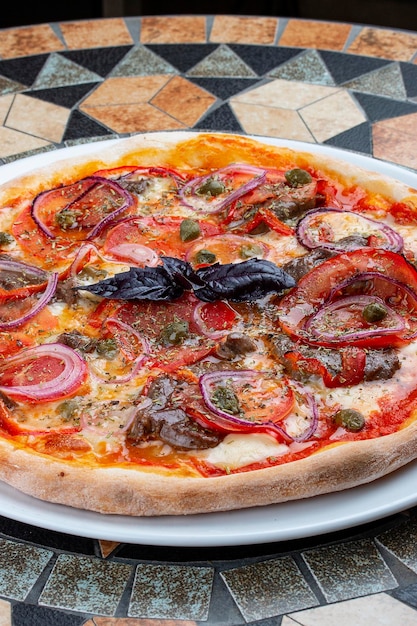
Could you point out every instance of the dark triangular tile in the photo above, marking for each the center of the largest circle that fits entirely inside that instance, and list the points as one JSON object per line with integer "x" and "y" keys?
{"x": 26, "y": 614}
{"x": 63, "y": 96}
{"x": 378, "y": 108}
{"x": 409, "y": 73}
{"x": 80, "y": 126}
{"x": 344, "y": 67}
{"x": 23, "y": 70}
{"x": 357, "y": 139}
{"x": 262, "y": 59}
{"x": 221, "y": 119}
{"x": 224, "y": 88}
{"x": 98, "y": 60}
{"x": 183, "y": 56}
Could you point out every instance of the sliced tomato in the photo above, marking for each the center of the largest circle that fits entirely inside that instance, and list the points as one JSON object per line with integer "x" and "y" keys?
{"x": 227, "y": 248}
{"x": 161, "y": 234}
{"x": 352, "y": 371}
{"x": 11, "y": 421}
{"x": 13, "y": 342}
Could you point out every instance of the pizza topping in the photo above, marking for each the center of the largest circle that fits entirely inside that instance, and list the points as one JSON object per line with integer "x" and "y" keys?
{"x": 235, "y": 344}
{"x": 298, "y": 177}
{"x": 43, "y": 373}
{"x": 350, "y": 419}
{"x": 18, "y": 279}
{"x": 320, "y": 227}
{"x": 226, "y": 248}
{"x": 14, "y": 313}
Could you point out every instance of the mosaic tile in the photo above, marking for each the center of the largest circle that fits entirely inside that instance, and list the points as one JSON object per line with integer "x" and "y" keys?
{"x": 407, "y": 594}
{"x": 285, "y": 94}
{"x": 20, "y": 567}
{"x": 5, "y": 613}
{"x": 85, "y": 584}
{"x": 141, "y": 61}
{"x": 35, "y": 117}
{"x": 59, "y": 71}
{"x": 378, "y": 108}
{"x": 64, "y": 96}
{"x": 95, "y": 33}
{"x": 108, "y": 547}
{"x": 183, "y": 57}
{"x": 356, "y": 139}
{"x": 30, "y": 615}
{"x": 375, "y": 609}
{"x": 236, "y": 29}
{"x": 332, "y": 116}
{"x": 128, "y": 90}
{"x": 133, "y": 118}
{"x": 30, "y": 40}
{"x": 100, "y": 61}
{"x": 23, "y": 70}
{"x": 14, "y": 142}
{"x": 183, "y": 100}
{"x": 224, "y": 88}
{"x": 9, "y": 86}
{"x": 271, "y": 121}
{"x": 349, "y": 569}
{"x": 80, "y": 125}
{"x": 260, "y": 589}
{"x": 386, "y": 81}
{"x": 307, "y": 67}
{"x": 221, "y": 118}
{"x": 222, "y": 62}
{"x": 178, "y": 29}
{"x": 401, "y": 540}
{"x": 388, "y": 44}
{"x": 344, "y": 67}
{"x": 6, "y": 102}
{"x": 409, "y": 73}
{"x": 309, "y": 34}
{"x": 263, "y": 59}
{"x": 171, "y": 591}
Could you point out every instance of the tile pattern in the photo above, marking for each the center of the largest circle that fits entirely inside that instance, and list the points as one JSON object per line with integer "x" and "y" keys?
{"x": 343, "y": 85}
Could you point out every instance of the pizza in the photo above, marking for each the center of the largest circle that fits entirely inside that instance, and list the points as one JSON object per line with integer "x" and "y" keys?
{"x": 195, "y": 322}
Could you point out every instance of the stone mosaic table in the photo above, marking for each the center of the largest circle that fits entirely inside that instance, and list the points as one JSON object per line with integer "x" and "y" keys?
{"x": 349, "y": 86}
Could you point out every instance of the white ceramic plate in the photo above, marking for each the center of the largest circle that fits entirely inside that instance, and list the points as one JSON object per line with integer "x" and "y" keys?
{"x": 281, "y": 522}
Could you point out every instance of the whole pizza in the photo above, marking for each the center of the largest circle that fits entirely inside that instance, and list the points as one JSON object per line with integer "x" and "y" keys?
{"x": 194, "y": 322}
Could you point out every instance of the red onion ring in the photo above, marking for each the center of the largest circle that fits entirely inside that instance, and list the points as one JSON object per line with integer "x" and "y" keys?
{"x": 63, "y": 385}
{"x": 395, "y": 242}
{"x": 38, "y": 306}
{"x": 201, "y": 326}
{"x": 190, "y": 198}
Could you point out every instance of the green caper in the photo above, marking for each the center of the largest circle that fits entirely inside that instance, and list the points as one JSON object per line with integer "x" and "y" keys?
{"x": 67, "y": 409}
{"x": 374, "y": 312}
{"x": 249, "y": 250}
{"x": 205, "y": 256}
{"x": 350, "y": 419}
{"x": 175, "y": 332}
{"x": 211, "y": 187}
{"x": 297, "y": 177}
{"x": 5, "y": 239}
{"x": 189, "y": 230}
{"x": 107, "y": 348}
{"x": 93, "y": 272}
{"x": 226, "y": 400}
{"x": 67, "y": 219}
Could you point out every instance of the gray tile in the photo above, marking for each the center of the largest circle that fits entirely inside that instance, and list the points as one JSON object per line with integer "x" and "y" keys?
{"x": 386, "y": 81}
{"x": 171, "y": 592}
{"x": 85, "y": 584}
{"x": 349, "y": 570}
{"x": 59, "y": 71}
{"x": 222, "y": 62}
{"x": 20, "y": 567}
{"x": 308, "y": 67}
{"x": 141, "y": 61}
{"x": 402, "y": 543}
{"x": 269, "y": 588}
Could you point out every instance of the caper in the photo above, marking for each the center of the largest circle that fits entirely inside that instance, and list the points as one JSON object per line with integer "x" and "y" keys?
{"x": 67, "y": 219}
{"x": 93, "y": 272}
{"x": 212, "y": 187}
{"x": 205, "y": 256}
{"x": 67, "y": 409}
{"x": 5, "y": 239}
{"x": 189, "y": 230}
{"x": 226, "y": 400}
{"x": 350, "y": 419}
{"x": 297, "y": 177}
{"x": 374, "y": 312}
{"x": 107, "y": 348}
{"x": 175, "y": 332}
{"x": 249, "y": 250}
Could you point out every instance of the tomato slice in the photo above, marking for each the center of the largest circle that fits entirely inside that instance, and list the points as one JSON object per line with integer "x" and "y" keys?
{"x": 226, "y": 248}
{"x": 161, "y": 234}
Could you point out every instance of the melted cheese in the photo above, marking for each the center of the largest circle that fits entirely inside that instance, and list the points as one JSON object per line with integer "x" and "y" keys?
{"x": 239, "y": 450}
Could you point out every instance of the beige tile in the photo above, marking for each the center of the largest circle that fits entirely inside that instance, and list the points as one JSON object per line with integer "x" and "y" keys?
{"x": 5, "y": 613}
{"x": 19, "y": 42}
{"x": 126, "y": 90}
{"x": 37, "y": 117}
{"x": 311, "y": 34}
{"x": 96, "y": 33}
{"x": 13, "y": 142}
{"x": 107, "y": 547}
{"x": 175, "y": 29}
{"x": 132, "y": 118}
{"x": 275, "y": 122}
{"x": 183, "y": 100}
{"x": 332, "y": 115}
{"x": 5, "y": 104}
{"x": 250, "y": 30}
{"x": 378, "y": 609}
{"x": 285, "y": 94}
{"x": 394, "y": 140}
{"x": 388, "y": 44}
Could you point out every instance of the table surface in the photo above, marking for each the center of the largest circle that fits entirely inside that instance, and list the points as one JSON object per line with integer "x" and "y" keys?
{"x": 344, "y": 85}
